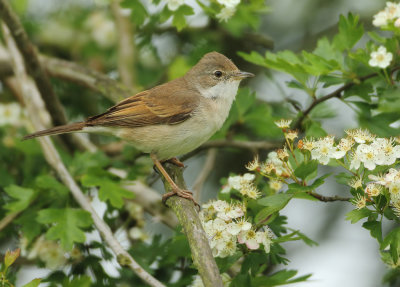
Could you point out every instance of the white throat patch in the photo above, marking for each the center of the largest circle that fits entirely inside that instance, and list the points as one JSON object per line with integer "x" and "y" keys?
{"x": 225, "y": 90}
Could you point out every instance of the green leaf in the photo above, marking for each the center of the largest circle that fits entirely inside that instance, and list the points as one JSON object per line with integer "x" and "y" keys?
{"x": 318, "y": 182}
{"x": 82, "y": 281}
{"x": 138, "y": 12}
{"x": 33, "y": 283}
{"x": 279, "y": 278}
{"x": 306, "y": 168}
{"x": 254, "y": 58}
{"x": 357, "y": 214}
{"x": 179, "y": 20}
{"x": 66, "y": 226}
{"x": 350, "y": 32}
{"x": 23, "y": 197}
{"x": 392, "y": 239}
{"x": 10, "y": 257}
{"x": 108, "y": 189}
{"x": 274, "y": 203}
{"x": 375, "y": 228}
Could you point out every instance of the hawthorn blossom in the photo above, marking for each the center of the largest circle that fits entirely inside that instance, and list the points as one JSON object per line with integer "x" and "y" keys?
{"x": 253, "y": 165}
{"x": 359, "y": 201}
{"x": 380, "y": 58}
{"x": 274, "y": 164}
{"x": 283, "y": 123}
{"x": 373, "y": 189}
{"x": 275, "y": 185}
{"x": 229, "y": 3}
{"x": 291, "y": 135}
{"x": 253, "y": 239}
{"x": 355, "y": 183}
{"x": 360, "y": 136}
{"x": 10, "y": 114}
{"x": 102, "y": 29}
{"x": 324, "y": 150}
{"x": 391, "y": 12}
{"x": 236, "y": 182}
{"x": 387, "y": 151}
{"x": 173, "y": 5}
{"x": 226, "y": 13}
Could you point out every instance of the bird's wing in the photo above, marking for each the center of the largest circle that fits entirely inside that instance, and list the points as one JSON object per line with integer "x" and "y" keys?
{"x": 160, "y": 105}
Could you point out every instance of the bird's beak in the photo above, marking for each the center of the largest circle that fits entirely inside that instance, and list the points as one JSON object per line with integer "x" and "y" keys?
{"x": 239, "y": 75}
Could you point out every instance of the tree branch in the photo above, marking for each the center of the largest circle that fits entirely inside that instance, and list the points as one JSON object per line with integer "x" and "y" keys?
{"x": 190, "y": 221}
{"x": 53, "y": 158}
{"x": 335, "y": 94}
{"x": 253, "y": 146}
{"x": 35, "y": 69}
{"x": 149, "y": 199}
{"x": 126, "y": 49}
{"x": 327, "y": 198}
{"x": 204, "y": 173}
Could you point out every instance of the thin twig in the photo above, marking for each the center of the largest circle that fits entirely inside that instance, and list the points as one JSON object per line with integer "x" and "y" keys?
{"x": 75, "y": 73}
{"x": 335, "y": 94}
{"x": 190, "y": 221}
{"x": 6, "y": 220}
{"x": 204, "y": 173}
{"x": 53, "y": 158}
{"x": 327, "y": 198}
{"x": 35, "y": 69}
{"x": 252, "y": 146}
{"x": 126, "y": 49}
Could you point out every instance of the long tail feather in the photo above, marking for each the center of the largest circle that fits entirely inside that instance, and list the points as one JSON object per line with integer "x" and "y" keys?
{"x": 57, "y": 130}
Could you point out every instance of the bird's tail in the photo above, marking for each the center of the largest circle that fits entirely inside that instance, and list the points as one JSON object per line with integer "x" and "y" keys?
{"x": 57, "y": 130}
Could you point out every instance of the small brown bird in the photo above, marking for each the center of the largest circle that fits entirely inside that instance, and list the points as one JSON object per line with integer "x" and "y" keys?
{"x": 170, "y": 119}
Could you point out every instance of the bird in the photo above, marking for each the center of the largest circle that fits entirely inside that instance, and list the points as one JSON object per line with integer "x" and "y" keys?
{"x": 170, "y": 119}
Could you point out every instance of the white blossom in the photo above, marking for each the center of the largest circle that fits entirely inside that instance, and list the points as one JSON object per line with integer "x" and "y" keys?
{"x": 283, "y": 123}
{"x": 324, "y": 150}
{"x": 173, "y": 5}
{"x": 380, "y": 58}
{"x": 380, "y": 19}
{"x": 103, "y": 30}
{"x": 10, "y": 114}
{"x": 229, "y": 3}
{"x": 226, "y": 13}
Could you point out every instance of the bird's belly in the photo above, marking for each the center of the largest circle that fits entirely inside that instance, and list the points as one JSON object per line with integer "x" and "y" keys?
{"x": 168, "y": 141}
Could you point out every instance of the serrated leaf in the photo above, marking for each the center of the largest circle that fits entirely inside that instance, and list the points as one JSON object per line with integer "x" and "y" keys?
{"x": 306, "y": 168}
{"x": 279, "y": 278}
{"x": 318, "y": 182}
{"x": 375, "y": 228}
{"x": 23, "y": 197}
{"x": 82, "y": 281}
{"x": 67, "y": 224}
{"x": 254, "y": 58}
{"x": 138, "y": 12}
{"x": 179, "y": 20}
{"x": 350, "y": 32}
{"x": 357, "y": 214}
{"x": 108, "y": 189}
{"x": 276, "y": 201}
{"x": 392, "y": 239}
{"x": 11, "y": 256}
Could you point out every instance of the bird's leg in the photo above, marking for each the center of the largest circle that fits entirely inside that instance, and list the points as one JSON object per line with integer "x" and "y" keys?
{"x": 176, "y": 190}
{"x": 176, "y": 162}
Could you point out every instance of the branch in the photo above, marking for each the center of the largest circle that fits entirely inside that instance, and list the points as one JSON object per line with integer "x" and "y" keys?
{"x": 190, "y": 221}
{"x": 204, "y": 173}
{"x": 53, "y": 158}
{"x": 35, "y": 69}
{"x": 6, "y": 220}
{"x": 327, "y": 198}
{"x": 253, "y": 146}
{"x": 335, "y": 94}
{"x": 126, "y": 49}
{"x": 149, "y": 199}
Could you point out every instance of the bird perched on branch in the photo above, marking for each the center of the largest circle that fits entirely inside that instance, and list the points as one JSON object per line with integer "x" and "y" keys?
{"x": 170, "y": 119}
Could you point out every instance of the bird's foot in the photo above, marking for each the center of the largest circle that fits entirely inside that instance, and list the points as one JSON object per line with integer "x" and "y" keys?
{"x": 181, "y": 193}
{"x": 176, "y": 162}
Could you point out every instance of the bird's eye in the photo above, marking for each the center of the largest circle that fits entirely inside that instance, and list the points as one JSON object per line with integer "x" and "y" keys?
{"x": 218, "y": 74}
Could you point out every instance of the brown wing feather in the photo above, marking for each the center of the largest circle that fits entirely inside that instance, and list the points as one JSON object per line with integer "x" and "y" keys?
{"x": 163, "y": 104}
